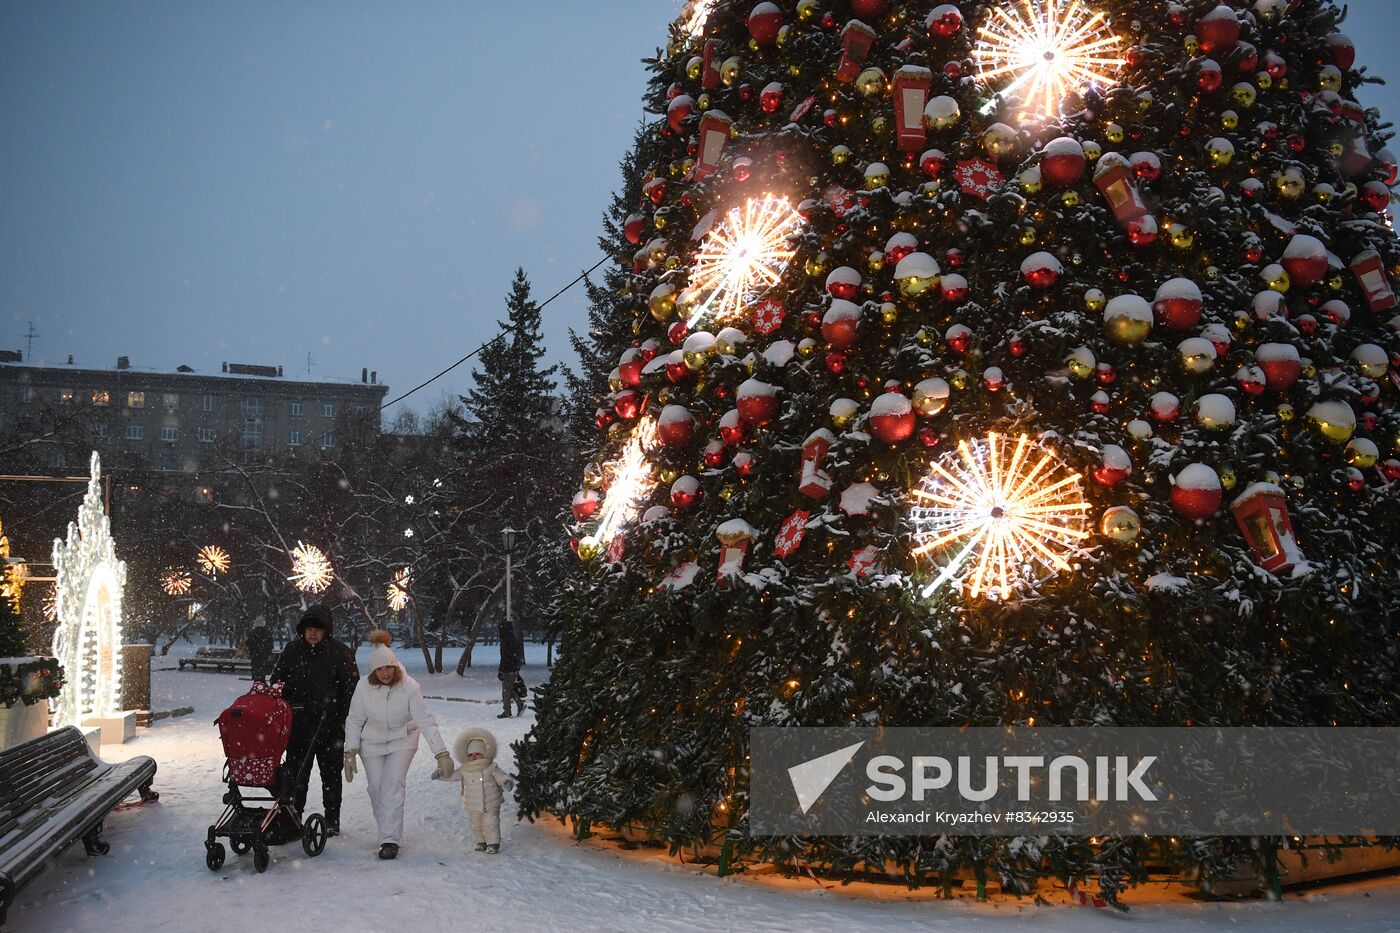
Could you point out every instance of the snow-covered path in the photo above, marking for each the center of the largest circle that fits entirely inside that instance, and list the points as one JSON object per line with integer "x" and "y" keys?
{"x": 155, "y": 879}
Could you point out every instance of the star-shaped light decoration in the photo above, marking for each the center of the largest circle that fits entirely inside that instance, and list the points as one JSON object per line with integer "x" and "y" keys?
{"x": 175, "y": 582}
{"x": 311, "y": 569}
{"x": 744, "y": 255}
{"x": 997, "y": 517}
{"x": 396, "y": 594}
{"x": 1046, "y": 48}
{"x": 212, "y": 559}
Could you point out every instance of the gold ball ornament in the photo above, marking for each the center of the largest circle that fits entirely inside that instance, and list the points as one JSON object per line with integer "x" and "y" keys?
{"x": 727, "y": 492}
{"x": 589, "y": 548}
{"x": 1264, "y": 80}
{"x": 877, "y": 175}
{"x": 871, "y": 82}
{"x": 840, "y": 154}
{"x": 1070, "y": 199}
{"x": 1221, "y": 152}
{"x": 1335, "y": 421}
{"x": 1031, "y": 181}
{"x": 1092, "y": 151}
{"x": 1095, "y": 301}
{"x": 662, "y": 301}
{"x": 818, "y": 265}
{"x": 889, "y": 312}
{"x": 1114, "y": 133}
{"x": 807, "y": 348}
{"x": 875, "y": 261}
{"x": 1229, "y": 120}
{"x": 1286, "y": 412}
{"x": 1244, "y": 95}
{"x": 1336, "y": 283}
{"x": 1081, "y": 362}
{"x": 923, "y": 338}
{"x": 843, "y": 412}
{"x": 1362, "y": 453}
{"x": 1028, "y": 236}
{"x": 1329, "y": 78}
{"x": 1228, "y": 477}
{"x": 1276, "y": 278}
{"x": 807, "y": 10}
{"x": 1191, "y": 44}
{"x": 729, "y": 71}
{"x": 668, "y": 475}
{"x": 879, "y": 124}
{"x": 999, "y": 141}
{"x": 930, "y": 397}
{"x": 1181, "y": 236}
{"x": 1289, "y": 184}
{"x": 1120, "y": 524}
{"x": 959, "y": 379}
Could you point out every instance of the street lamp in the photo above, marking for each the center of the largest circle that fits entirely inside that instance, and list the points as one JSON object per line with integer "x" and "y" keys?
{"x": 508, "y": 539}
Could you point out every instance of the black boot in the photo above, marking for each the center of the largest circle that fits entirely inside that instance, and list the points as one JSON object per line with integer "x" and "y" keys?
{"x": 388, "y": 851}
{"x": 505, "y": 715}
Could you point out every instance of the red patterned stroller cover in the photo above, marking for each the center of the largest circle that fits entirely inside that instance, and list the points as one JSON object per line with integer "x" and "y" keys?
{"x": 255, "y": 731}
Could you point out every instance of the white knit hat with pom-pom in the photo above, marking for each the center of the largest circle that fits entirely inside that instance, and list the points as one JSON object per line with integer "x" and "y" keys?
{"x": 381, "y": 655}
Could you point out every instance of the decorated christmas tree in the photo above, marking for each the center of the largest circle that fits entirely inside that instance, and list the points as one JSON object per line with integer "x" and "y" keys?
{"x": 985, "y": 363}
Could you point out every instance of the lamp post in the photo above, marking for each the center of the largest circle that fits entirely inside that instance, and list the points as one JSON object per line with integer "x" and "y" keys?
{"x": 508, "y": 538}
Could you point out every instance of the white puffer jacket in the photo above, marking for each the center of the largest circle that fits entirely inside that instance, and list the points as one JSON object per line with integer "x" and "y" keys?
{"x": 388, "y": 719}
{"x": 482, "y": 781}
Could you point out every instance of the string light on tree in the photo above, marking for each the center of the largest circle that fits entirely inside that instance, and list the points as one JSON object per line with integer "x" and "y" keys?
{"x": 995, "y": 516}
{"x": 175, "y": 582}
{"x": 743, "y": 256}
{"x": 1046, "y": 48}
{"x": 213, "y": 559}
{"x": 397, "y": 594}
{"x": 311, "y": 570}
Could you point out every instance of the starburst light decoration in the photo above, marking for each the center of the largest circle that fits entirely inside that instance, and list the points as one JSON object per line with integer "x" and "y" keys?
{"x": 693, "y": 17}
{"x": 311, "y": 570}
{"x": 743, "y": 256}
{"x": 995, "y": 517}
{"x": 175, "y": 582}
{"x": 1046, "y": 48}
{"x": 213, "y": 559}
{"x": 397, "y": 593}
{"x": 628, "y": 479}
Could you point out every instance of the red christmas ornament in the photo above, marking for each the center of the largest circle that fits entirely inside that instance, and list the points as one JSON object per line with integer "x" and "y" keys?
{"x": 771, "y": 98}
{"x": 944, "y": 21}
{"x": 1209, "y": 77}
{"x": 841, "y": 323}
{"x": 1390, "y": 469}
{"x": 1218, "y": 30}
{"x": 929, "y": 438}
{"x": 1196, "y": 492}
{"x": 715, "y": 454}
{"x": 679, "y": 108}
{"x": 1105, "y": 374}
{"x": 1376, "y": 196}
{"x": 731, "y": 428}
{"x": 677, "y": 333}
{"x": 843, "y": 282}
{"x": 1100, "y": 403}
{"x": 978, "y": 178}
{"x": 655, "y": 190}
{"x": 993, "y": 379}
{"x": 676, "y": 370}
{"x": 1142, "y": 232}
{"x": 634, "y": 227}
{"x": 603, "y": 418}
{"x": 1064, "y": 162}
{"x": 836, "y": 362}
{"x": 1164, "y": 407}
{"x": 758, "y": 402}
{"x": 627, "y": 404}
{"x": 1355, "y": 480}
{"x": 892, "y": 418}
{"x": 910, "y": 92}
{"x": 955, "y": 257}
{"x": 959, "y": 338}
{"x": 790, "y": 535}
{"x": 768, "y": 316}
{"x": 1251, "y": 380}
{"x": 743, "y": 463}
{"x": 1114, "y": 466}
{"x": 1280, "y": 364}
{"x": 764, "y": 22}
{"x": 586, "y": 502}
{"x": 899, "y": 246}
{"x": 1115, "y": 179}
{"x": 675, "y": 426}
{"x": 1262, "y": 514}
{"x": 1305, "y": 258}
{"x": 1179, "y": 304}
{"x": 1341, "y": 51}
{"x": 714, "y": 133}
{"x": 685, "y": 492}
{"x": 815, "y": 483}
{"x": 1017, "y": 346}
{"x": 1041, "y": 270}
{"x": 932, "y": 163}
{"x": 629, "y": 368}
{"x": 1146, "y": 165}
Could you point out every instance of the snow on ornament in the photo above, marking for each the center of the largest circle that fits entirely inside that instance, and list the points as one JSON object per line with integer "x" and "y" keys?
{"x": 1219, "y": 337}
{"x": 1179, "y": 303}
{"x": 1262, "y": 515}
{"x": 585, "y": 504}
{"x": 680, "y": 578}
{"x": 791, "y": 533}
{"x": 765, "y": 20}
{"x": 843, "y": 282}
{"x": 1334, "y": 420}
{"x": 954, "y": 287}
{"x": 898, "y": 246}
{"x": 1215, "y": 411}
{"x": 944, "y": 21}
{"x": 675, "y": 426}
{"x": 1146, "y": 165}
{"x": 1196, "y": 492}
{"x": 1041, "y": 270}
{"x": 1063, "y": 163}
{"x": 1305, "y": 259}
{"x": 1128, "y": 319}
{"x": 931, "y": 396}
{"x": 942, "y": 112}
{"x": 841, "y": 324}
{"x": 1164, "y": 407}
{"x": 680, "y": 107}
{"x": 1280, "y": 364}
{"x": 916, "y": 273}
{"x": 1218, "y": 31}
{"x": 1196, "y": 354}
{"x": 685, "y": 492}
{"x": 1370, "y": 360}
{"x": 1114, "y": 466}
{"x": 757, "y": 402}
{"x": 892, "y": 418}
{"x": 978, "y": 178}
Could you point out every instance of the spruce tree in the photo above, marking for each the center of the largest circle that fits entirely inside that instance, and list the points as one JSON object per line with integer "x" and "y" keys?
{"x": 1172, "y": 277}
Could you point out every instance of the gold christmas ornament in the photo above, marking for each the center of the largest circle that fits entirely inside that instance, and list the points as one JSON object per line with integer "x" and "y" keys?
{"x": 871, "y": 82}
{"x": 840, "y": 154}
{"x": 1031, "y": 181}
{"x": 1244, "y": 95}
{"x": 999, "y": 141}
{"x": 818, "y": 265}
{"x": 662, "y": 301}
{"x": 1334, "y": 420}
{"x": 1092, "y": 150}
{"x": 1229, "y": 120}
{"x": 1362, "y": 453}
{"x": 877, "y": 175}
{"x": 1289, "y": 184}
{"x": 1120, "y": 524}
{"x": 1181, "y": 236}
{"x": 930, "y": 397}
{"x": 843, "y": 412}
{"x": 1228, "y": 478}
{"x": 1114, "y": 133}
{"x": 589, "y": 548}
{"x": 1095, "y": 301}
{"x": 1070, "y": 199}
{"x": 1081, "y": 362}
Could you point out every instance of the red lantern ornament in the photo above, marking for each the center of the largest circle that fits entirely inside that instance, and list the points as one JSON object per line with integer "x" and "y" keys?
{"x": 814, "y": 482}
{"x": 1178, "y": 304}
{"x": 714, "y": 133}
{"x": 764, "y": 22}
{"x": 675, "y": 426}
{"x": 1196, "y": 492}
{"x": 856, "y": 40}
{"x": 1064, "y": 162}
{"x": 892, "y": 418}
{"x": 1305, "y": 259}
{"x": 685, "y": 492}
{"x": 734, "y": 536}
{"x": 586, "y": 502}
{"x": 1218, "y": 30}
{"x": 1041, "y": 270}
{"x": 841, "y": 323}
{"x": 910, "y": 90}
{"x": 1114, "y": 466}
{"x": 1370, "y": 275}
{"x": 710, "y": 65}
{"x": 1262, "y": 514}
{"x": 1115, "y": 179}
{"x": 944, "y": 22}
{"x": 758, "y": 402}
{"x": 1280, "y": 364}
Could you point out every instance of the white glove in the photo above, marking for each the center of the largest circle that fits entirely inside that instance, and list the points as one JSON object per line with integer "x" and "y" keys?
{"x": 445, "y": 767}
{"x": 350, "y": 765}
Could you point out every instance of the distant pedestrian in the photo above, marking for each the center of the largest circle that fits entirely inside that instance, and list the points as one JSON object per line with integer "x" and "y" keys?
{"x": 513, "y": 687}
{"x": 386, "y": 717}
{"x": 259, "y": 644}
{"x": 319, "y": 676}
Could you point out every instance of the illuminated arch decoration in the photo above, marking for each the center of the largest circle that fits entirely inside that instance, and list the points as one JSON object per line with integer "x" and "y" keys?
{"x": 88, "y": 600}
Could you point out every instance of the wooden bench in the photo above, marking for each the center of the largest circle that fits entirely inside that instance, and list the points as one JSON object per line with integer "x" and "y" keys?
{"x": 225, "y": 660}
{"x": 53, "y": 792}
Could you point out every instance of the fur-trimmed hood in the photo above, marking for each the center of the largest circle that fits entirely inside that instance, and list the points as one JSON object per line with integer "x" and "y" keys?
{"x": 459, "y": 749}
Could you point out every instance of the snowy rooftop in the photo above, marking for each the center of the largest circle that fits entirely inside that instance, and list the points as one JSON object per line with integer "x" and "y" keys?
{"x": 190, "y": 372}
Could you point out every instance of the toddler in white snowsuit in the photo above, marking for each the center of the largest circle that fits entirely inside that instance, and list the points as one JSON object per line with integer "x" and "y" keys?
{"x": 482, "y": 783}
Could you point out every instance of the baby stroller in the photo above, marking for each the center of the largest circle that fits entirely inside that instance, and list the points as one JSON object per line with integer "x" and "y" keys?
{"x": 255, "y": 731}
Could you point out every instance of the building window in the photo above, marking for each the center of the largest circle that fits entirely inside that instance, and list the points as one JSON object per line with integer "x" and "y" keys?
{"x": 294, "y": 408}
{"x": 170, "y": 402}
{"x": 169, "y": 462}
{"x": 359, "y": 409}
{"x": 327, "y": 440}
{"x": 136, "y": 400}
{"x": 293, "y": 438}
{"x": 170, "y": 434}
{"x": 135, "y": 432}
{"x": 65, "y": 396}
{"x": 206, "y": 435}
{"x": 252, "y": 433}
{"x": 99, "y": 430}
{"x": 207, "y": 402}
{"x": 59, "y": 460}
{"x": 204, "y": 495}
{"x": 26, "y": 394}
{"x": 328, "y": 409}
{"x": 101, "y": 398}
{"x": 253, "y": 406}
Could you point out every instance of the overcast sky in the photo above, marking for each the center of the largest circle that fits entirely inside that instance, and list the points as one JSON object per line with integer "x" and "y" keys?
{"x": 255, "y": 182}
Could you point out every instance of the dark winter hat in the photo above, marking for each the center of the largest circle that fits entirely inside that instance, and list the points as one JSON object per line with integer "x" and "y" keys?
{"x": 317, "y": 616}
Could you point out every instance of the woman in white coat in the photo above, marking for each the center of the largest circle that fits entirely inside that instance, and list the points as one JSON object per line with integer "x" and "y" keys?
{"x": 387, "y": 714}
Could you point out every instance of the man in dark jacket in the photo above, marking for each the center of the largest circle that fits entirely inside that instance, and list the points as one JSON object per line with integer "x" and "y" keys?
{"x": 259, "y": 644}
{"x": 318, "y": 674}
{"x": 508, "y": 671}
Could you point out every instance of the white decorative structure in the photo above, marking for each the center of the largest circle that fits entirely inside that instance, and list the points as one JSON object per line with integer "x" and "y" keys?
{"x": 88, "y": 642}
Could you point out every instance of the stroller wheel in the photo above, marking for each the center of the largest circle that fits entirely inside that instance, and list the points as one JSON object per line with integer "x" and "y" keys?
{"x": 214, "y": 855}
{"x": 313, "y": 835}
{"x": 261, "y": 858}
{"x": 239, "y": 846}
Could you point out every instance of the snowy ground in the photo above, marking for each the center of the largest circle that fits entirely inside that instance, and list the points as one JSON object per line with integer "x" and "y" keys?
{"x": 155, "y": 879}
